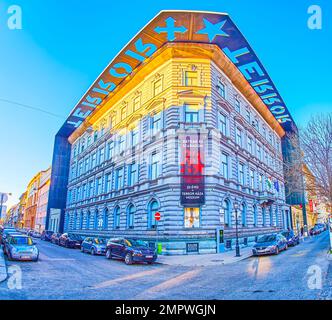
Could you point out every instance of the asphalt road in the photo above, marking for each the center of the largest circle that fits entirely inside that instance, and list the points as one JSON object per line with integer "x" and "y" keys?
{"x": 298, "y": 273}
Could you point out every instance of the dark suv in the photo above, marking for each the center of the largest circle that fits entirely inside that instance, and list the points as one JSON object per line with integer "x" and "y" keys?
{"x": 292, "y": 238}
{"x": 131, "y": 250}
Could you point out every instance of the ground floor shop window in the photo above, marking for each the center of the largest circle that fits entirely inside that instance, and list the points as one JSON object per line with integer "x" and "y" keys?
{"x": 191, "y": 217}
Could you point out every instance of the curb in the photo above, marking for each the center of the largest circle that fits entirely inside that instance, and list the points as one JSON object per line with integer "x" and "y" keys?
{"x": 3, "y": 267}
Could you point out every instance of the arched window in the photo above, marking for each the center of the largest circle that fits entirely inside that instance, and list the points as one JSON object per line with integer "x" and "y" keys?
{"x": 130, "y": 216}
{"x": 105, "y": 219}
{"x": 243, "y": 214}
{"x": 264, "y": 216}
{"x": 227, "y": 213}
{"x": 88, "y": 218}
{"x": 153, "y": 207}
{"x": 271, "y": 216}
{"x": 81, "y": 221}
{"x": 95, "y": 221}
{"x": 117, "y": 217}
{"x": 255, "y": 215}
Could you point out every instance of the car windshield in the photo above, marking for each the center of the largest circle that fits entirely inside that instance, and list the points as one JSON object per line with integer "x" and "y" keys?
{"x": 285, "y": 233}
{"x": 21, "y": 241}
{"x": 99, "y": 241}
{"x": 136, "y": 243}
{"x": 266, "y": 238}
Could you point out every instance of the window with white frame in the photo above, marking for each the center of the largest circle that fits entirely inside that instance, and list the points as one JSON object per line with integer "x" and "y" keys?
{"x": 121, "y": 143}
{"x": 123, "y": 113}
{"x": 250, "y": 144}
{"x": 223, "y": 123}
{"x": 259, "y": 152}
{"x": 108, "y": 182}
{"x": 134, "y": 137}
{"x": 110, "y": 150}
{"x": 191, "y": 113}
{"x": 221, "y": 88}
{"x": 239, "y": 136}
{"x": 133, "y": 174}
{"x": 156, "y": 123}
{"x": 155, "y": 166}
{"x": 119, "y": 178}
{"x": 98, "y": 186}
{"x": 191, "y": 78}
{"x": 157, "y": 87}
{"x": 224, "y": 165}
{"x": 238, "y": 105}
{"x": 136, "y": 103}
{"x": 93, "y": 160}
{"x": 252, "y": 178}
{"x": 241, "y": 174}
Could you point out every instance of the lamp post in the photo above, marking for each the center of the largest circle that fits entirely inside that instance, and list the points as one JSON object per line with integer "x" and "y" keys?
{"x": 237, "y": 247}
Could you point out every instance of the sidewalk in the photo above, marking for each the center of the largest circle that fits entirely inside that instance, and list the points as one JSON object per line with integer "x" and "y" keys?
{"x": 203, "y": 260}
{"x": 3, "y": 268}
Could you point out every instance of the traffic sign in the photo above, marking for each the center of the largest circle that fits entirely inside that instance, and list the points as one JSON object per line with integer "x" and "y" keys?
{"x": 157, "y": 216}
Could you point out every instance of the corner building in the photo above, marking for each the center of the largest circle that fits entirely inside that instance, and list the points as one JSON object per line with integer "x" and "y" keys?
{"x": 184, "y": 134}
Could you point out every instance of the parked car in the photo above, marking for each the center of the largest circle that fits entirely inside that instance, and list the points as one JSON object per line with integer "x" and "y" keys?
{"x": 94, "y": 246}
{"x": 55, "y": 237}
{"x": 292, "y": 238}
{"x": 70, "y": 240}
{"x": 131, "y": 250}
{"x": 317, "y": 229}
{"x": 46, "y": 235}
{"x": 4, "y": 232}
{"x": 20, "y": 247}
{"x": 36, "y": 234}
{"x": 270, "y": 244}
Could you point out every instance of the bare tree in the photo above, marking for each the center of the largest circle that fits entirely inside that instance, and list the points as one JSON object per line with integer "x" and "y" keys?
{"x": 316, "y": 143}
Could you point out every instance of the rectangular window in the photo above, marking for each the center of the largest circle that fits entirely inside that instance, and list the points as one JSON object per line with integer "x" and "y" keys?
{"x": 90, "y": 189}
{"x": 84, "y": 191}
{"x": 93, "y": 160}
{"x": 134, "y": 137}
{"x": 239, "y": 136}
{"x": 156, "y": 123}
{"x": 136, "y": 103}
{"x": 223, "y": 124}
{"x": 221, "y": 88}
{"x": 157, "y": 87}
{"x": 260, "y": 181}
{"x": 248, "y": 116}
{"x": 119, "y": 178}
{"x": 238, "y": 105}
{"x": 108, "y": 182}
{"x": 110, "y": 150}
{"x": 133, "y": 174}
{"x": 98, "y": 186}
{"x": 191, "y": 114}
{"x": 250, "y": 147}
{"x": 86, "y": 165}
{"x": 252, "y": 179}
{"x": 101, "y": 155}
{"x": 154, "y": 167}
{"x": 241, "y": 174}
{"x": 224, "y": 165}
{"x": 191, "y": 78}
{"x": 191, "y": 217}
{"x": 80, "y": 168}
{"x": 121, "y": 143}
{"x": 123, "y": 113}
{"x": 259, "y": 152}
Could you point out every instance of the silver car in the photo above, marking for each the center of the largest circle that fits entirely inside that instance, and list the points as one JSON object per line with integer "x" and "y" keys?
{"x": 20, "y": 247}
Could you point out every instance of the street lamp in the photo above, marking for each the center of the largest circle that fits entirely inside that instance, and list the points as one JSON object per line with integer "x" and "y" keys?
{"x": 237, "y": 247}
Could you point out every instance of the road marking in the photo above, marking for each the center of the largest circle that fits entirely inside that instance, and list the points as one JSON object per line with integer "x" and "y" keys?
{"x": 112, "y": 282}
{"x": 176, "y": 281}
{"x": 44, "y": 257}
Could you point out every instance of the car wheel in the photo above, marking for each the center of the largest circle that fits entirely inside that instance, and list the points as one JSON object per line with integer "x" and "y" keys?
{"x": 9, "y": 256}
{"x": 82, "y": 249}
{"x": 108, "y": 254}
{"x": 128, "y": 259}
{"x": 286, "y": 247}
{"x": 93, "y": 251}
{"x": 277, "y": 251}
{"x": 149, "y": 262}
{"x": 67, "y": 244}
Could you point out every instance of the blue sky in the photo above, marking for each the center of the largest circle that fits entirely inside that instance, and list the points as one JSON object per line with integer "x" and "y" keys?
{"x": 64, "y": 45}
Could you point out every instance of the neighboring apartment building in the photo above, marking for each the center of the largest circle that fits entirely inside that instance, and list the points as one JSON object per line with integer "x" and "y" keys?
{"x": 43, "y": 191}
{"x": 31, "y": 202}
{"x": 184, "y": 135}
